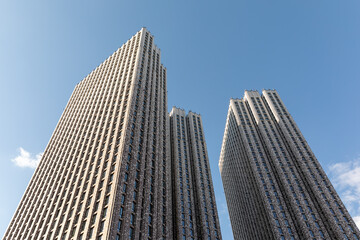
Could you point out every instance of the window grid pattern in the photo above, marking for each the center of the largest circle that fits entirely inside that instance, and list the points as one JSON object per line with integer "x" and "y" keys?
{"x": 261, "y": 165}
{"x": 110, "y": 135}
{"x": 297, "y": 198}
{"x": 265, "y": 152}
{"x": 195, "y": 215}
{"x": 335, "y": 215}
{"x": 207, "y": 216}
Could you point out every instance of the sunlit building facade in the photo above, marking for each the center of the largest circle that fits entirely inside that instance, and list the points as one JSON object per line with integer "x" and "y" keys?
{"x": 105, "y": 172}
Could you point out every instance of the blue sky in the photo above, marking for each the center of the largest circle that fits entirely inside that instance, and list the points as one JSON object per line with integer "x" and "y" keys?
{"x": 308, "y": 50}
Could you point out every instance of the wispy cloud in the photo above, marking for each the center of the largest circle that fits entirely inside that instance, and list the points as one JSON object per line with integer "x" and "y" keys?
{"x": 346, "y": 179}
{"x": 25, "y": 159}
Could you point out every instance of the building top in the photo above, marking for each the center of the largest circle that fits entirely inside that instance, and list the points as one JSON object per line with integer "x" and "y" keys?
{"x": 182, "y": 111}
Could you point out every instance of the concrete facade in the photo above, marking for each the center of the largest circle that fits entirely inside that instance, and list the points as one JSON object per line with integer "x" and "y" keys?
{"x": 195, "y": 214}
{"x": 108, "y": 171}
{"x": 105, "y": 172}
{"x": 274, "y": 186}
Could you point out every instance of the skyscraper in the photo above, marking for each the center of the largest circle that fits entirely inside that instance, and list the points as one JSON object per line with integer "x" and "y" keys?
{"x": 275, "y": 187}
{"x": 105, "y": 172}
{"x": 110, "y": 170}
{"x": 195, "y": 214}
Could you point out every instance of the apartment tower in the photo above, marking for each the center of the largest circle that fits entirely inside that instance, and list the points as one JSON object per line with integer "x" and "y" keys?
{"x": 105, "y": 172}
{"x": 194, "y": 208}
{"x": 275, "y": 187}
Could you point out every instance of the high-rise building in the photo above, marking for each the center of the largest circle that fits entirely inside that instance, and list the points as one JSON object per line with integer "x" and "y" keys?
{"x": 195, "y": 214}
{"x": 105, "y": 173}
{"x": 275, "y": 187}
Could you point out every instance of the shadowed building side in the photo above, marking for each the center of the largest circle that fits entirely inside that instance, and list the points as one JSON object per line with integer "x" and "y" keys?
{"x": 264, "y": 150}
{"x": 195, "y": 213}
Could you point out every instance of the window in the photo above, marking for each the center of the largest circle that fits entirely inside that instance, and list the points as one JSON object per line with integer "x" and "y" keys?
{"x": 119, "y": 226}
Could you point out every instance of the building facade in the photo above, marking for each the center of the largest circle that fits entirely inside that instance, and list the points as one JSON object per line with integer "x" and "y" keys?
{"x": 195, "y": 213}
{"x": 105, "y": 172}
{"x": 275, "y": 187}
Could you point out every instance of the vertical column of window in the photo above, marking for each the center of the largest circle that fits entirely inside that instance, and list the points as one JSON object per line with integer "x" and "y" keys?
{"x": 134, "y": 217}
{"x": 154, "y": 143}
{"x": 121, "y": 107}
{"x": 175, "y": 179}
{"x": 145, "y": 184}
{"x": 127, "y": 187}
{"x": 163, "y": 196}
{"x": 181, "y": 220}
{"x": 151, "y": 137}
{"x": 179, "y": 192}
{"x": 189, "y": 180}
{"x": 168, "y": 214}
{"x": 202, "y": 216}
{"x": 273, "y": 197}
{"x": 210, "y": 202}
{"x": 155, "y": 146}
{"x": 157, "y": 142}
{"x": 207, "y": 172}
{"x": 143, "y": 138}
{"x": 144, "y": 199}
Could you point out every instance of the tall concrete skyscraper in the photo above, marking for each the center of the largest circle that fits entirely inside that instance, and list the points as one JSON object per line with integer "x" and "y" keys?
{"x": 112, "y": 170}
{"x": 275, "y": 187}
{"x": 105, "y": 172}
{"x": 194, "y": 207}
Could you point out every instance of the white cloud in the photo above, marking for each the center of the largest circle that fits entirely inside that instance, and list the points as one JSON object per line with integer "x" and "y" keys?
{"x": 346, "y": 179}
{"x": 26, "y": 160}
{"x": 357, "y": 221}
